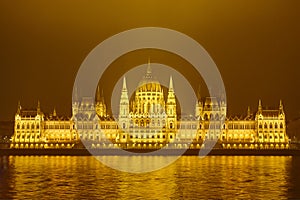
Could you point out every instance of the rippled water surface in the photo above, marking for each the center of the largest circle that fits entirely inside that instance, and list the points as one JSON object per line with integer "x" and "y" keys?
{"x": 190, "y": 177}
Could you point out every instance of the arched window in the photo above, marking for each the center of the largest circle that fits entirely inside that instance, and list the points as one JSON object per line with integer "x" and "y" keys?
{"x": 27, "y": 126}
{"x": 217, "y": 117}
{"x": 265, "y": 126}
{"x": 260, "y": 126}
{"x": 271, "y": 126}
{"x": 211, "y": 117}
{"x": 32, "y": 126}
{"x": 18, "y": 126}
{"x": 205, "y": 117}
{"x": 142, "y": 123}
{"x": 276, "y": 125}
{"x": 224, "y": 126}
{"x": 281, "y": 125}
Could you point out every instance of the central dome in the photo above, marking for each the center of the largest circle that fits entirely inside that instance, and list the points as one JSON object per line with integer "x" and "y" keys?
{"x": 148, "y": 83}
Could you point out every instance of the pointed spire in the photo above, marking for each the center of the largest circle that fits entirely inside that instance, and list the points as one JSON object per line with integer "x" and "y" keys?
{"x": 259, "y": 106}
{"x": 248, "y": 111}
{"x": 149, "y": 70}
{"x": 54, "y": 112}
{"x": 98, "y": 96}
{"x": 124, "y": 84}
{"x": 171, "y": 84}
{"x": 19, "y": 108}
{"x": 75, "y": 94}
{"x": 102, "y": 96}
{"x": 280, "y": 105}
{"x": 39, "y": 107}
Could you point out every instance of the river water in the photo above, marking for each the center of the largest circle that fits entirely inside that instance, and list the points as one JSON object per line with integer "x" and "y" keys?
{"x": 190, "y": 177}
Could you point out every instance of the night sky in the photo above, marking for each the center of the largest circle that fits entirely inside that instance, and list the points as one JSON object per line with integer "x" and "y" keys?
{"x": 255, "y": 44}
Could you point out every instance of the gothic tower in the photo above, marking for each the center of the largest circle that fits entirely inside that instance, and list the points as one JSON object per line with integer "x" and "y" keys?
{"x": 75, "y": 104}
{"x": 100, "y": 104}
{"x": 171, "y": 107}
{"x": 124, "y": 106}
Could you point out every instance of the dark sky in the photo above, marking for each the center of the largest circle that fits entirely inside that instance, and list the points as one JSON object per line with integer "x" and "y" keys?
{"x": 255, "y": 44}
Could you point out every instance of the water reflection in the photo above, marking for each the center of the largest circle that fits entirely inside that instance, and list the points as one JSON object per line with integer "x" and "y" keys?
{"x": 190, "y": 177}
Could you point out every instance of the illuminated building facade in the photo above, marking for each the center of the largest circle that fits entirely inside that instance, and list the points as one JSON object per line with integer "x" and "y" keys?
{"x": 149, "y": 120}
{"x": 34, "y": 129}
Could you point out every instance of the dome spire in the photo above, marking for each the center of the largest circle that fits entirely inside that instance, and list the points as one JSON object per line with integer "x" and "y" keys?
{"x": 149, "y": 70}
{"x": 171, "y": 84}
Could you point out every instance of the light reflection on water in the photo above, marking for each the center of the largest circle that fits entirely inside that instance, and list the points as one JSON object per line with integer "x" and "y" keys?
{"x": 190, "y": 177}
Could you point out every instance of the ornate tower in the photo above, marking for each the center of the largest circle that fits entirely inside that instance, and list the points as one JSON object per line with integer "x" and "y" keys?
{"x": 100, "y": 104}
{"x": 75, "y": 104}
{"x": 199, "y": 105}
{"x": 171, "y": 107}
{"x": 124, "y": 107}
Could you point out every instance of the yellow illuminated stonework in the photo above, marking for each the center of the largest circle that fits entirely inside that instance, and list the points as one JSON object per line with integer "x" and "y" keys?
{"x": 149, "y": 120}
{"x": 33, "y": 129}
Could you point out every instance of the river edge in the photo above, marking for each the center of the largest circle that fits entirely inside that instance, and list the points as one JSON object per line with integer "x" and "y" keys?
{"x": 148, "y": 152}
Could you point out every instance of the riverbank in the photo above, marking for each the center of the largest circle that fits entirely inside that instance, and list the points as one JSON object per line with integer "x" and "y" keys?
{"x": 163, "y": 152}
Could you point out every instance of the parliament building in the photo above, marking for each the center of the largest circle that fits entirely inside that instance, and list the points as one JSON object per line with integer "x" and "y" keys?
{"x": 150, "y": 120}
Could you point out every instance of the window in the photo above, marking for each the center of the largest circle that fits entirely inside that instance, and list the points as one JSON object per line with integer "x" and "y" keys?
{"x": 265, "y": 126}
{"x": 205, "y": 117}
{"x": 271, "y": 126}
{"x": 260, "y": 126}
{"x": 217, "y": 117}
{"x": 281, "y": 125}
